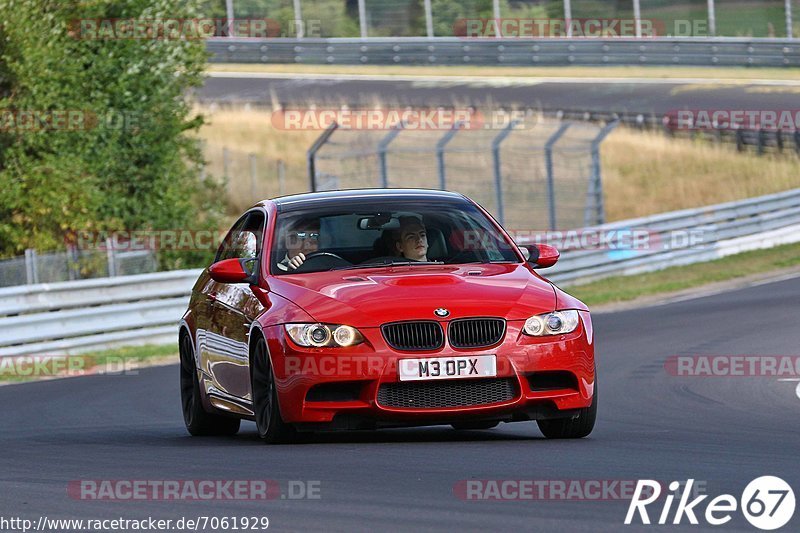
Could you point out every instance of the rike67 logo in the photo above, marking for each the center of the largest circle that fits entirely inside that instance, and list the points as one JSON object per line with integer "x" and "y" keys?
{"x": 767, "y": 503}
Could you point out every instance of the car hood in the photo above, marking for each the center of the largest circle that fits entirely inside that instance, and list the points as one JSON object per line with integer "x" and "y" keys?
{"x": 375, "y": 296}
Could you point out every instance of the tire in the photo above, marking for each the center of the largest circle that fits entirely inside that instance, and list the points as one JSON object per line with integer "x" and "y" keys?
{"x": 271, "y": 427}
{"x": 199, "y": 422}
{"x": 572, "y": 428}
{"x": 474, "y": 425}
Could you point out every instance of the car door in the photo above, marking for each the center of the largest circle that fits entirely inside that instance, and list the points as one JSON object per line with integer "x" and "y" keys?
{"x": 233, "y": 307}
{"x": 206, "y": 341}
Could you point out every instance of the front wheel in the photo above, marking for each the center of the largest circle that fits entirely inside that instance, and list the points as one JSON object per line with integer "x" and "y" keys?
{"x": 271, "y": 427}
{"x": 198, "y": 421}
{"x": 572, "y": 428}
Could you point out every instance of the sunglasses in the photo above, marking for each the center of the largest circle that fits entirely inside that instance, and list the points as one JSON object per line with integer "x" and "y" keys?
{"x": 307, "y": 235}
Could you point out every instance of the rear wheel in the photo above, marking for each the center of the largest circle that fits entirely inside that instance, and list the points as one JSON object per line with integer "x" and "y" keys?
{"x": 198, "y": 421}
{"x": 271, "y": 427}
{"x": 572, "y": 428}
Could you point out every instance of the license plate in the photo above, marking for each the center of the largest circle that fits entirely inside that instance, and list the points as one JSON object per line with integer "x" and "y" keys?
{"x": 476, "y": 366}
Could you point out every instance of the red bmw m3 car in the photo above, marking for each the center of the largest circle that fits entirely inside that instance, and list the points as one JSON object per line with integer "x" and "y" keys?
{"x": 376, "y": 308}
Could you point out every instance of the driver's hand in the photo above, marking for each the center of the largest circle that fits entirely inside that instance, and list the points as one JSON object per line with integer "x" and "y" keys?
{"x": 296, "y": 261}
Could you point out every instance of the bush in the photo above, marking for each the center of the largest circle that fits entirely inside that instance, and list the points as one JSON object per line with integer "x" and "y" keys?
{"x": 127, "y": 160}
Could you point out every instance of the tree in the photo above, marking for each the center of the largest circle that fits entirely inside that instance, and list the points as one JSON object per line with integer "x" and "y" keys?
{"x": 123, "y": 159}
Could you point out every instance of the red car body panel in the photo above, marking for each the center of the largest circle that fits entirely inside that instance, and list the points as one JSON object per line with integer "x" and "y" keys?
{"x": 366, "y": 299}
{"x": 360, "y": 297}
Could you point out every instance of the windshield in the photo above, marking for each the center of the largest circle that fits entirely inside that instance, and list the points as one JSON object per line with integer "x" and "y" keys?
{"x": 386, "y": 233}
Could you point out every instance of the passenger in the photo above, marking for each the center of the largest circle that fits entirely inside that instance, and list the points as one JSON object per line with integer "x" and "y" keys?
{"x": 411, "y": 240}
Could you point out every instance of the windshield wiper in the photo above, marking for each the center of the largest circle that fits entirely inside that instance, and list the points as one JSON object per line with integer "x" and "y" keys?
{"x": 388, "y": 263}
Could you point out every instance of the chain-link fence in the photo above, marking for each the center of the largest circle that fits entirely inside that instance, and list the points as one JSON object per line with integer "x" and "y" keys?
{"x": 446, "y": 18}
{"x": 249, "y": 177}
{"x": 74, "y": 264}
{"x": 534, "y": 173}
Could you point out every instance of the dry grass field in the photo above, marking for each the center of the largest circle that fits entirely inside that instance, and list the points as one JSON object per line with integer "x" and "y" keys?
{"x": 643, "y": 172}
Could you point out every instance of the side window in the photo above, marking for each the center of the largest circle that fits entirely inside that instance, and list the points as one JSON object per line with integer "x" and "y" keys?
{"x": 244, "y": 240}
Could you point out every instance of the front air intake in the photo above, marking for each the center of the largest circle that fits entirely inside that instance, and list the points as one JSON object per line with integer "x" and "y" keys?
{"x": 414, "y": 336}
{"x": 476, "y": 332}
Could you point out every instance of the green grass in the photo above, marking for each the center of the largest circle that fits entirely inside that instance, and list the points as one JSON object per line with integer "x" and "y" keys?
{"x": 115, "y": 360}
{"x": 626, "y": 288}
{"x": 734, "y": 19}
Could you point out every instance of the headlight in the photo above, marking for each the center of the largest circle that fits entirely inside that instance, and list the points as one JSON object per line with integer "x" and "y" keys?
{"x": 555, "y": 323}
{"x": 323, "y": 335}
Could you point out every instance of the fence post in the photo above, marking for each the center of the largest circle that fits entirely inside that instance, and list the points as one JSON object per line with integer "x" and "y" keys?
{"x": 362, "y": 19}
{"x": 281, "y": 177}
{"x": 637, "y": 18}
{"x": 596, "y": 181}
{"x": 31, "y": 270}
{"x": 428, "y": 18}
{"x": 72, "y": 262}
{"x": 203, "y": 147}
{"x": 383, "y": 147}
{"x": 568, "y": 16}
{"x": 440, "y": 146}
{"x": 498, "y": 171}
{"x": 789, "y": 21}
{"x": 551, "y": 181}
{"x": 712, "y": 19}
{"x": 311, "y": 155}
{"x": 298, "y": 20}
{"x": 230, "y": 16}
{"x": 112, "y": 263}
{"x": 253, "y": 177}
{"x": 226, "y": 162}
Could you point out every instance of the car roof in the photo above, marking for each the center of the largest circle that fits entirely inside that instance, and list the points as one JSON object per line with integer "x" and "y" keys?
{"x": 334, "y": 198}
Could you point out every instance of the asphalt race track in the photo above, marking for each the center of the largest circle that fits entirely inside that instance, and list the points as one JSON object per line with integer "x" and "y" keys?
{"x": 722, "y": 430}
{"x": 602, "y": 95}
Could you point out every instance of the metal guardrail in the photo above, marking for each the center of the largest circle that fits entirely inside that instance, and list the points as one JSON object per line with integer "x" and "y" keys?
{"x": 76, "y": 316}
{"x": 720, "y": 51}
{"x": 683, "y": 237}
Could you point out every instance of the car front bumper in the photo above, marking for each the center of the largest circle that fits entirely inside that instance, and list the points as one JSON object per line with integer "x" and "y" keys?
{"x": 358, "y": 387}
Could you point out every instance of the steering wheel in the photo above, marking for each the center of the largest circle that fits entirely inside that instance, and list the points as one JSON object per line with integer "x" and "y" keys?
{"x": 332, "y": 259}
{"x": 312, "y": 255}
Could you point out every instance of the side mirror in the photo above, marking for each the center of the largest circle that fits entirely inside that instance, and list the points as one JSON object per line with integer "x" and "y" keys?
{"x": 542, "y": 255}
{"x": 235, "y": 271}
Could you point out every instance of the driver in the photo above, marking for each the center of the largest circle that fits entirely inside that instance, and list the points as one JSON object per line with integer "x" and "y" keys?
{"x": 411, "y": 240}
{"x": 302, "y": 240}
